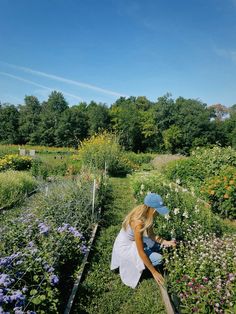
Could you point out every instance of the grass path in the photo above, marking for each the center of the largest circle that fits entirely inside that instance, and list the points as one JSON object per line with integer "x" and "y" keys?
{"x": 102, "y": 290}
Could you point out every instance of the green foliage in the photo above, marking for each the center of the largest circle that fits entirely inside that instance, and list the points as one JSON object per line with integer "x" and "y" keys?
{"x": 140, "y": 158}
{"x": 203, "y": 163}
{"x": 165, "y": 125}
{"x": 14, "y": 186}
{"x": 46, "y": 238}
{"x": 29, "y": 119}
{"x": 72, "y": 127}
{"x": 185, "y": 208}
{"x": 9, "y": 124}
{"x": 101, "y": 150}
{"x": 173, "y": 138}
{"x": 98, "y": 117}
{"x": 202, "y": 274}
{"x": 220, "y": 191}
{"x": 15, "y": 162}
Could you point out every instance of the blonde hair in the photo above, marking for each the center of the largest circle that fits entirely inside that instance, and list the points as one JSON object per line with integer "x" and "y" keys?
{"x": 139, "y": 213}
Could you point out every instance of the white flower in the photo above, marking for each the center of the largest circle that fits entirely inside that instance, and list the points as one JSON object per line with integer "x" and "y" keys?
{"x": 185, "y": 214}
{"x": 176, "y": 211}
{"x": 177, "y": 181}
{"x": 142, "y": 186}
{"x": 185, "y": 190}
{"x": 167, "y": 217}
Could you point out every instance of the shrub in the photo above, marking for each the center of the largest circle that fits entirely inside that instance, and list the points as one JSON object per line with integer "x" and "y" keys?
{"x": 140, "y": 158}
{"x": 185, "y": 209}
{"x": 203, "y": 163}
{"x": 103, "y": 149}
{"x": 15, "y": 162}
{"x": 42, "y": 242}
{"x": 14, "y": 185}
{"x": 202, "y": 274}
{"x": 220, "y": 191}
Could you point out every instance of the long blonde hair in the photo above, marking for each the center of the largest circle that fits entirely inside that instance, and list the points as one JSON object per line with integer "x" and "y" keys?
{"x": 139, "y": 213}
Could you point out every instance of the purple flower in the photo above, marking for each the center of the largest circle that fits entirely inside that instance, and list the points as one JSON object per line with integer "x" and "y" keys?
{"x": 18, "y": 310}
{"x": 83, "y": 249}
{"x": 63, "y": 228}
{"x": 5, "y": 280}
{"x": 2, "y": 311}
{"x": 43, "y": 229}
{"x": 54, "y": 280}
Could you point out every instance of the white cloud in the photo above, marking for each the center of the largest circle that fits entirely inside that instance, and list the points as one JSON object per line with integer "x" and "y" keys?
{"x": 39, "y": 85}
{"x": 64, "y": 80}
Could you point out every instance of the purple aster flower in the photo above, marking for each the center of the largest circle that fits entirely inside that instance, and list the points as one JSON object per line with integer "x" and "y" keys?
{"x": 5, "y": 280}
{"x": 2, "y": 311}
{"x": 43, "y": 229}
{"x": 54, "y": 280}
{"x": 83, "y": 249}
{"x": 18, "y": 310}
{"x": 63, "y": 228}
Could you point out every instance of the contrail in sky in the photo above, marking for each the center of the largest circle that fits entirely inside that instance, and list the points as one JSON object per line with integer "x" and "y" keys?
{"x": 64, "y": 80}
{"x": 39, "y": 85}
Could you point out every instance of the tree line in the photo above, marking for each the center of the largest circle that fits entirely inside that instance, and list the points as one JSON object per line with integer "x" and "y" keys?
{"x": 168, "y": 125}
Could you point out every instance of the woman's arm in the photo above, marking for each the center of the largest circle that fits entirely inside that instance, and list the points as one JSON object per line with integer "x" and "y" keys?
{"x": 152, "y": 236}
{"x": 138, "y": 236}
{"x": 160, "y": 240}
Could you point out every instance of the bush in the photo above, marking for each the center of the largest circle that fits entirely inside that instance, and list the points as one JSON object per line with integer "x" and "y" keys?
{"x": 186, "y": 209}
{"x": 103, "y": 150}
{"x": 202, "y": 274}
{"x": 203, "y": 163}
{"x": 15, "y": 162}
{"x": 44, "y": 241}
{"x": 14, "y": 185}
{"x": 140, "y": 158}
{"x": 220, "y": 191}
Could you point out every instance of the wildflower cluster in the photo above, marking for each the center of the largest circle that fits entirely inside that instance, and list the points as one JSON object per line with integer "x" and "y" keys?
{"x": 221, "y": 192}
{"x": 202, "y": 273}
{"x": 39, "y": 241}
{"x": 15, "y": 162}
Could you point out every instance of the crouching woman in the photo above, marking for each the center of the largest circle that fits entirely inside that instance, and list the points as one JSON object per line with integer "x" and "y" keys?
{"x": 136, "y": 245}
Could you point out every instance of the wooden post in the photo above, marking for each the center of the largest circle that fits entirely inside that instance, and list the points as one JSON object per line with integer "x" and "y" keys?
{"x": 166, "y": 300}
{"x": 94, "y": 192}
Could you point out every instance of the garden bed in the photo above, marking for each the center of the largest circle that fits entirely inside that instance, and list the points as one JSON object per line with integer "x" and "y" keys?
{"x": 43, "y": 243}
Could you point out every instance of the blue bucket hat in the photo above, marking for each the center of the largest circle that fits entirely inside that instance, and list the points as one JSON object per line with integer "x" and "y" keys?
{"x": 155, "y": 201}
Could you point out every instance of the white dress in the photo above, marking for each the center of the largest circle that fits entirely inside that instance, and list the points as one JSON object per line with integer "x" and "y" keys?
{"x": 125, "y": 256}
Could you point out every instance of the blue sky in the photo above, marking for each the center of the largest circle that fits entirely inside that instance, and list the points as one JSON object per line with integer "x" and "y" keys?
{"x": 100, "y": 50}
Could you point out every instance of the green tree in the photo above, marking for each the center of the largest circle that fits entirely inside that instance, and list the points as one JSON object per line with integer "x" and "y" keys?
{"x": 9, "y": 124}
{"x": 126, "y": 122}
{"x": 98, "y": 117}
{"x": 72, "y": 128}
{"x": 29, "y": 119}
{"x": 173, "y": 138}
{"x": 49, "y": 118}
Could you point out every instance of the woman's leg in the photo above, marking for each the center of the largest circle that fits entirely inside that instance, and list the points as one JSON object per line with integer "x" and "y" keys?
{"x": 152, "y": 250}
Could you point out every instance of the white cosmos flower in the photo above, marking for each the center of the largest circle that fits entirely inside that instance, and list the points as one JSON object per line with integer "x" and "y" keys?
{"x": 185, "y": 214}
{"x": 142, "y": 186}
{"x": 167, "y": 217}
{"x": 177, "y": 181}
{"x": 176, "y": 211}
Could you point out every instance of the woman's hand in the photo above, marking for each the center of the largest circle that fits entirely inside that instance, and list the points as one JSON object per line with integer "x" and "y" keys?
{"x": 169, "y": 243}
{"x": 158, "y": 277}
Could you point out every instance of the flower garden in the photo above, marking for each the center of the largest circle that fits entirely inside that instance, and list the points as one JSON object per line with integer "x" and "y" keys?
{"x": 44, "y": 237}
